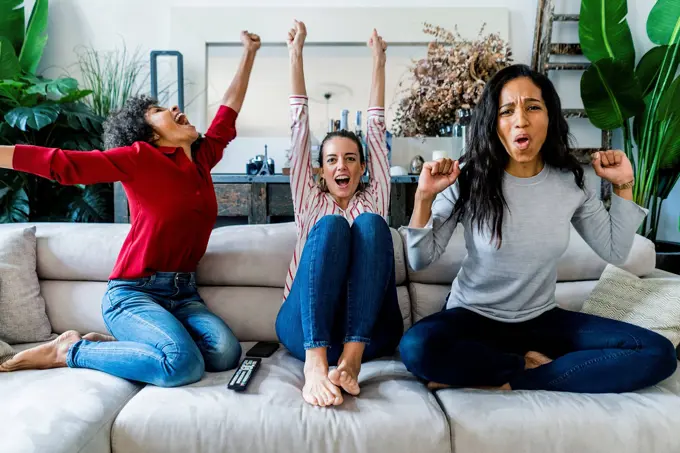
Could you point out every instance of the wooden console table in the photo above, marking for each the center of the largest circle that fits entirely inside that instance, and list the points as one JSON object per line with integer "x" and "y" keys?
{"x": 267, "y": 199}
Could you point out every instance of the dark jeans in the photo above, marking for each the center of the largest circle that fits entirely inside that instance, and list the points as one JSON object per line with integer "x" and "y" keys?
{"x": 344, "y": 290}
{"x": 166, "y": 335}
{"x": 590, "y": 354}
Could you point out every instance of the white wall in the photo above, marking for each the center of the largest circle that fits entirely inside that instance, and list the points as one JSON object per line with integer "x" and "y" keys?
{"x": 145, "y": 23}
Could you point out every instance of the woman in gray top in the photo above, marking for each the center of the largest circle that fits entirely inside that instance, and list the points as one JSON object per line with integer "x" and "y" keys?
{"x": 515, "y": 192}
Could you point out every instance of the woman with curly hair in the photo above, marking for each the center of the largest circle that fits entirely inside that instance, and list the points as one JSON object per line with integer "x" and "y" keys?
{"x": 164, "y": 333}
{"x": 516, "y": 192}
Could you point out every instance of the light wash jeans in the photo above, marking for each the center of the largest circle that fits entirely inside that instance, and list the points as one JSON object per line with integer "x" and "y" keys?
{"x": 166, "y": 336}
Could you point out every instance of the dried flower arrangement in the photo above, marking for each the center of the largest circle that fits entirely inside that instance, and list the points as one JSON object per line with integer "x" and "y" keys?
{"x": 452, "y": 76}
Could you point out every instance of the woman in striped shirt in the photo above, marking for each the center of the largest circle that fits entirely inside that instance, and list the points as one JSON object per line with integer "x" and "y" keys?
{"x": 340, "y": 301}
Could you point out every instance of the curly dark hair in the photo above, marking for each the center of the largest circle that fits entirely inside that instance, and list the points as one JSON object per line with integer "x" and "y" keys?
{"x": 484, "y": 162}
{"x": 128, "y": 125}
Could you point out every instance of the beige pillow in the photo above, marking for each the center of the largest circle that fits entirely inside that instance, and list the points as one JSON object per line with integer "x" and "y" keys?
{"x": 22, "y": 309}
{"x": 652, "y": 303}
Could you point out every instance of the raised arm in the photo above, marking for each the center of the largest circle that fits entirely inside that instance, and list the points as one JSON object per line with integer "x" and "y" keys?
{"x": 72, "y": 167}
{"x": 432, "y": 223}
{"x": 223, "y": 127}
{"x": 610, "y": 233}
{"x": 302, "y": 182}
{"x": 378, "y": 162}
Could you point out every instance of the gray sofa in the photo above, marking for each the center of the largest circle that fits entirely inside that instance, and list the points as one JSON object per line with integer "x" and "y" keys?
{"x": 241, "y": 277}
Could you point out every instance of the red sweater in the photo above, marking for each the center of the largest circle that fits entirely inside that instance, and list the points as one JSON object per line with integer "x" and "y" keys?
{"x": 172, "y": 200}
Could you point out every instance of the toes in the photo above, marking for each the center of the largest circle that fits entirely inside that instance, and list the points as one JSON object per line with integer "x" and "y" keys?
{"x": 334, "y": 376}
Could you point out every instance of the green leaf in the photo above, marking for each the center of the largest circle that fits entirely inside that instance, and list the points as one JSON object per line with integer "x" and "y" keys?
{"x": 667, "y": 180}
{"x": 610, "y": 93}
{"x": 663, "y": 22}
{"x": 34, "y": 117}
{"x": 74, "y": 96}
{"x": 670, "y": 146}
{"x": 603, "y": 31}
{"x": 14, "y": 205}
{"x": 59, "y": 87}
{"x": 639, "y": 121}
{"x": 669, "y": 101}
{"x": 9, "y": 64}
{"x": 36, "y": 38}
{"x": 92, "y": 205}
{"x": 649, "y": 67}
{"x": 11, "y": 90}
{"x": 79, "y": 116}
{"x": 12, "y": 22}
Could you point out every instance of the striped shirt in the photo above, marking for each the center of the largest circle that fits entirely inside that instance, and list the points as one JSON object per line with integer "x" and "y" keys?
{"x": 310, "y": 203}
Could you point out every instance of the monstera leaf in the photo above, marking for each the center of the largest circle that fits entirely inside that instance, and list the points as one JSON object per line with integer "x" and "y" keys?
{"x": 79, "y": 116}
{"x": 603, "y": 31}
{"x": 92, "y": 205}
{"x": 32, "y": 117}
{"x": 58, "y": 87}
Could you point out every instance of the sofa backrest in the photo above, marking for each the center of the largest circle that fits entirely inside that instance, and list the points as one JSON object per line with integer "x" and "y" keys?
{"x": 578, "y": 263}
{"x": 241, "y": 276}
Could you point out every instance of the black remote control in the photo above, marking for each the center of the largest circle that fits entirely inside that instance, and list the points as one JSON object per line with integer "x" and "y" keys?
{"x": 244, "y": 373}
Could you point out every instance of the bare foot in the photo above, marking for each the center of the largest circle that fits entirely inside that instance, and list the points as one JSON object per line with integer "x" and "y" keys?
{"x": 346, "y": 374}
{"x": 437, "y": 386}
{"x": 48, "y": 355}
{"x": 318, "y": 389}
{"x": 94, "y": 336}
{"x": 533, "y": 359}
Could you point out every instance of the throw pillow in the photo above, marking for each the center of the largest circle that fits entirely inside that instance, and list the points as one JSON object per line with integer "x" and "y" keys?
{"x": 652, "y": 303}
{"x": 22, "y": 308}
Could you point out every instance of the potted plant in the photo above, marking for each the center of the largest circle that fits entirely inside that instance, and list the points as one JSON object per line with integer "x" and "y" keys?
{"x": 451, "y": 77}
{"x": 643, "y": 100}
{"x": 39, "y": 111}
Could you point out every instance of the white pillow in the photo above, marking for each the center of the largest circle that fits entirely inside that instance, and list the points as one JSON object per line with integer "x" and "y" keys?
{"x": 23, "y": 318}
{"x": 652, "y": 303}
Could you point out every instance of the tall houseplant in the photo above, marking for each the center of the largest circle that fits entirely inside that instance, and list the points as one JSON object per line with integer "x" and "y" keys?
{"x": 642, "y": 99}
{"x": 39, "y": 111}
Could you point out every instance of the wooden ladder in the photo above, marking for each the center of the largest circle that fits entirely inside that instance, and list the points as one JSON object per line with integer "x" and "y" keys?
{"x": 543, "y": 49}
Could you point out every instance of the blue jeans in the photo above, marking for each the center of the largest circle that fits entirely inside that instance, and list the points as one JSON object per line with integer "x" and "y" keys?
{"x": 590, "y": 354}
{"x": 166, "y": 336}
{"x": 344, "y": 290}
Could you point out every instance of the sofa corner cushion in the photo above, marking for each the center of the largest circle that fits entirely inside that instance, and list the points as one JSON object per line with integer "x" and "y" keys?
{"x": 23, "y": 317}
{"x": 539, "y": 421}
{"x": 61, "y": 410}
{"x": 394, "y": 413}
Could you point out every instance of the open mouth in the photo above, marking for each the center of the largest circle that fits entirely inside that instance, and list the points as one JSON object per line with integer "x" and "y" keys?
{"x": 342, "y": 181}
{"x": 181, "y": 119}
{"x": 522, "y": 141}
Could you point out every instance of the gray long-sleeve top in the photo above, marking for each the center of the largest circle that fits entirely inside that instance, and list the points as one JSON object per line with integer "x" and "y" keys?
{"x": 517, "y": 282}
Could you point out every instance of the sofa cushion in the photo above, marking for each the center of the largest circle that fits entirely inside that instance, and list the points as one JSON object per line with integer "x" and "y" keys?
{"x": 77, "y": 251}
{"x": 652, "y": 303}
{"x": 62, "y": 410}
{"x": 538, "y": 421}
{"x": 263, "y": 253}
{"x": 394, "y": 413}
{"x": 579, "y": 262}
{"x": 74, "y": 305}
{"x": 22, "y": 309}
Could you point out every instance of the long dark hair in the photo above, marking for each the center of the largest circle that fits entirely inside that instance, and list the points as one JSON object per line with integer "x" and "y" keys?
{"x": 484, "y": 162}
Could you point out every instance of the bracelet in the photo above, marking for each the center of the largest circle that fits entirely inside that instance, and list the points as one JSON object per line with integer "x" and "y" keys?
{"x": 627, "y": 185}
